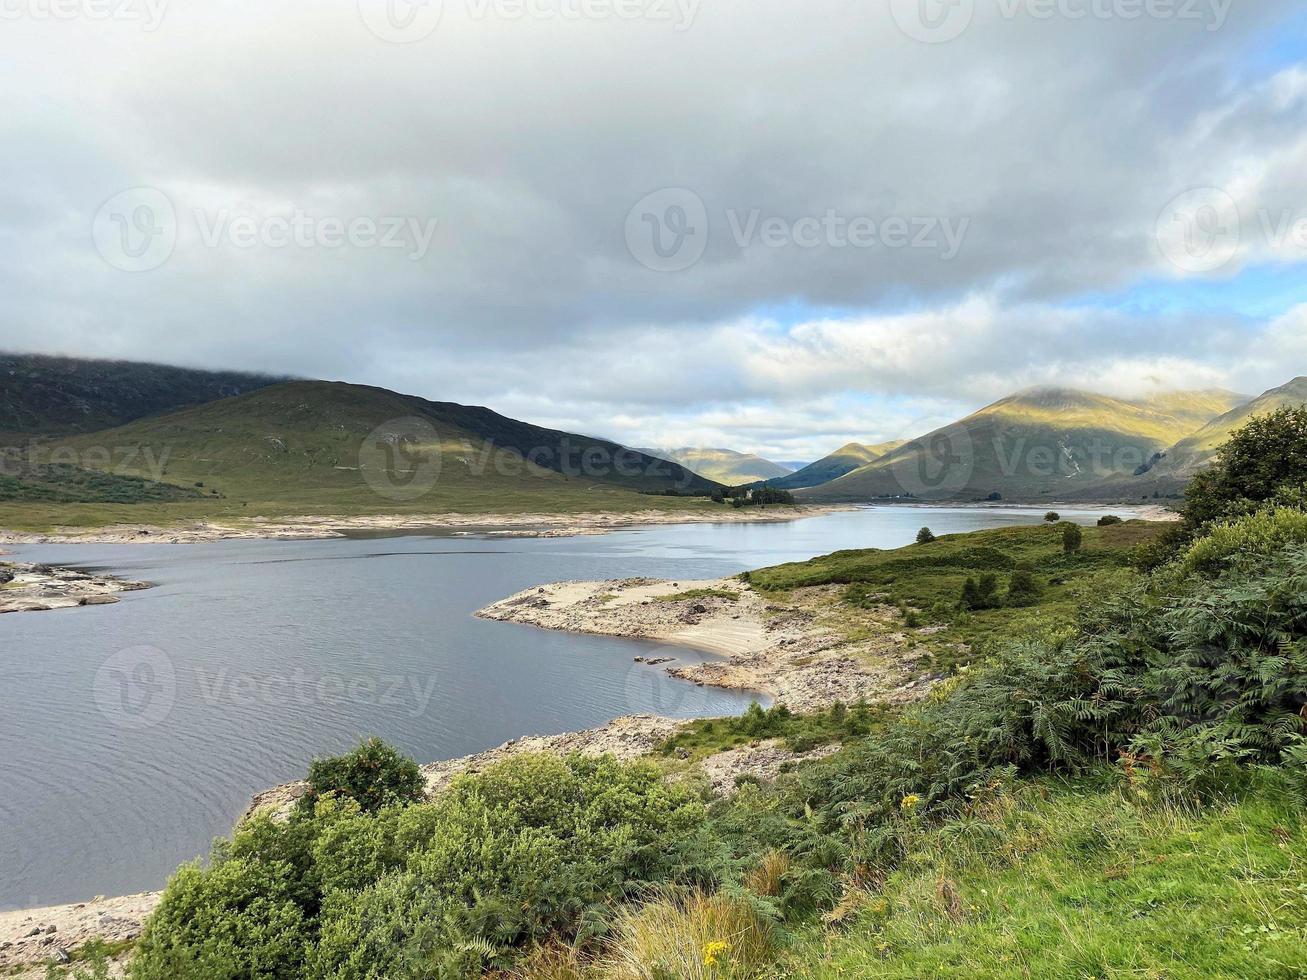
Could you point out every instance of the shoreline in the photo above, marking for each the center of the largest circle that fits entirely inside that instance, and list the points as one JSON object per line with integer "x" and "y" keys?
{"x": 793, "y": 653}
{"x": 316, "y": 527}
{"x": 26, "y": 587}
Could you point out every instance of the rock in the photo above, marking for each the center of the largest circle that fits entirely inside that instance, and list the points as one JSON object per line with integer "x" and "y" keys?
{"x": 99, "y": 600}
{"x": 51, "y": 930}
{"x": 33, "y": 932}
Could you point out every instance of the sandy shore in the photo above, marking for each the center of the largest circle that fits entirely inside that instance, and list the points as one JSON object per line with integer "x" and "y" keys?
{"x": 32, "y": 937}
{"x": 39, "y": 588}
{"x": 539, "y": 525}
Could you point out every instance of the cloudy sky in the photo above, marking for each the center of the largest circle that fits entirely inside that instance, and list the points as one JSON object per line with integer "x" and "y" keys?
{"x": 764, "y": 224}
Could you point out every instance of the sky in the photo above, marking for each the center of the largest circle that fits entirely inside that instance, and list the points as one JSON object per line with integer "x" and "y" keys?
{"x": 765, "y": 225}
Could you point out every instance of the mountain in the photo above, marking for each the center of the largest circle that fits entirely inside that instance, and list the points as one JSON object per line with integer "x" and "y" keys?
{"x": 1199, "y": 450}
{"x": 844, "y": 460}
{"x": 42, "y": 395}
{"x": 1040, "y": 444}
{"x": 326, "y": 447}
{"x": 723, "y": 466}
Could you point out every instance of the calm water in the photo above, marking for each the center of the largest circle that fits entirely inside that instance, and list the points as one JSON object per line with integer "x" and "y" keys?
{"x": 133, "y": 734}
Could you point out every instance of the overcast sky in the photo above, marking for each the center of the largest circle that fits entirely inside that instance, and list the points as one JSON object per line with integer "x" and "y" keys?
{"x": 770, "y": 225}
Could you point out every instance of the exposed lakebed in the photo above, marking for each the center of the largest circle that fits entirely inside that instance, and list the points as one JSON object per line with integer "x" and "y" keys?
{"x": 132, "y": 734}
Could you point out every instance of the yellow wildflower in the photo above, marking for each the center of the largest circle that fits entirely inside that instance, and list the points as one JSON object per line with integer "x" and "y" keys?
{"x": 712, "y": 951}
{"x": 909, "y": 802}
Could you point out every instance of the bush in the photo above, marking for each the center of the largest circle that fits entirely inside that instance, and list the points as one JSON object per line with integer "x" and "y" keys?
{"x": 1265, "y": 457}
{"x": 1023, "y": 589}
{"x": 374, "y": 775}
{"x": 925, "y": 536}
{"x": 1109, "y": 520}
{"x": 1257, "y": 534}
{"x": 981, "y": 593}
{"x": 1072, "y": 538}
{"x": 1052, "y": 517}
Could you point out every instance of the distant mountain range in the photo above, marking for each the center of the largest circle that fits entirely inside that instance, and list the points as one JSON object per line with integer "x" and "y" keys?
{"x": 325, "y": 447}
{"x": 723, "y": 466}
{"x": 844, "y": 460}
{"x": 1040, "y": 444}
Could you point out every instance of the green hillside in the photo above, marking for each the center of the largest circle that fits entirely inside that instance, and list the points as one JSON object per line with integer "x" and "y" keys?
{"x": 844, "y": 460}
{"x": 42, "y": 395}
{"x": 1197, "y": 451}
{"x": 1040, "y": 444}
{"x": 315, "y": 447}
{"x": 724, "y": 466}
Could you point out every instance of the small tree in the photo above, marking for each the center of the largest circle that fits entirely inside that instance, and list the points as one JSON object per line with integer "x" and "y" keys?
{"x": 1266, "y": 456}
{"x": 1023, "y": 589}
{"x": 1109, "y": 520}
{"x": 374, "y": 775}
{"x": 925, "y": 536}
{"x": 1072, "y": 538}
{"x": 981, "y": 593}
{"x": 1052, "y": 517}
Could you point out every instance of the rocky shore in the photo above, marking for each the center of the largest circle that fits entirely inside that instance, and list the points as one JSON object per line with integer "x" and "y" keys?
{"x": 797, "y": 652}
{"x": 30, "y": 938}
{"x": 536, "y": 525}
{"x": 38, "y": 588}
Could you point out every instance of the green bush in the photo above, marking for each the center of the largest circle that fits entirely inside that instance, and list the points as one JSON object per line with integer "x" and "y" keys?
{"x": 1256, "y": 534}
{"x": 1261, "y": 460}
{"x": 374, "y": 775}
{"x": 1072, "y": 538}
{"x": 1023, "y": 589}
{"x": 1052, "y": 517}
{"x": 925, "y": 536}
{"x": 1109, "y": 520}
{"x": 981, "y": 593}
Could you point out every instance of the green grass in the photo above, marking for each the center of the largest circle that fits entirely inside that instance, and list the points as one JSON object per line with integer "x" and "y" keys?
{"x": 800, "y": 733}
{"x": 926, "y": 580}
{"x": 1074, "y": 880}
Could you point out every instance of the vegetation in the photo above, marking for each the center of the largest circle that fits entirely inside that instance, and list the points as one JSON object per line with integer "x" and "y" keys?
{"x": 374, "y": 776}
{"x": 65, "y": 484}
{"x": 1120, "y": 795}
{"x": 925, "y": 536}
{"x": 1052, "y": 517}
{"x": 764, "y": 497}
{"x": 1072, "y": 538}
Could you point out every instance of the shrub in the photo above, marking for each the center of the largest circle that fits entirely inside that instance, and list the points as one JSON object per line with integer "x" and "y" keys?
{"x": 1109, "y": 520}
{"x": 1266, "y": 456}
{"x": 1072, "y": 538}
{"x": 1052, "y": 517}
{"x": 981, "y": 593}
{"x": 925, "y": 536}
{"x": 374, "y": 775}
{"x": 1257, "y": 534}
{"x": 238, "y": 919}
{"x": 1023, "y": 589}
